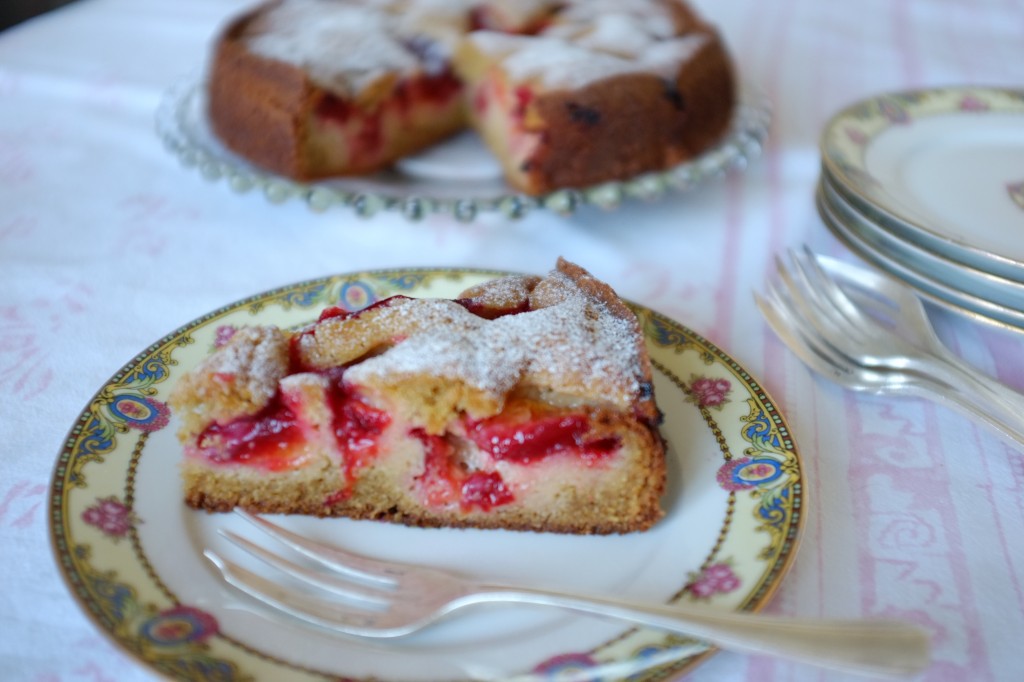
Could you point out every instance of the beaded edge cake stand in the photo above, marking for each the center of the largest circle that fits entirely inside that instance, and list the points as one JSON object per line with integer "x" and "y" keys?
{"x": 181, "y": 124}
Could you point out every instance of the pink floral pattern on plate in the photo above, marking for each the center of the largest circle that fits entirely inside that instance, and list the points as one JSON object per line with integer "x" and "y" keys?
{"x": 223, "y": 334}
{"x": 973, "y": 103}
{"x": 708, "y": 392}
{"x": 747, "y": 473}
{"x": 715, "y": 579}
{"x": 111, "y": 516}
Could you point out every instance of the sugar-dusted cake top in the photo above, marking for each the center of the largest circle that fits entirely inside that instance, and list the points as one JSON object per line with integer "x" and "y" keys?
{"x": 239, "y": 379}
{"x": 349, "y": 46}
{"x": 588, "y": 40}
{"x": 567, "y": 334}
{"x": 557, "y": 63}
{"x": 573, "y": 346}
{"x": 565, "y": 337}
{"x": 345, "y": 46}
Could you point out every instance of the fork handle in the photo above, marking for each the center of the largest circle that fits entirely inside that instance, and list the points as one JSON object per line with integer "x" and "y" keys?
{"x": 876, "y": 647}
{"x": 981, "y": 396}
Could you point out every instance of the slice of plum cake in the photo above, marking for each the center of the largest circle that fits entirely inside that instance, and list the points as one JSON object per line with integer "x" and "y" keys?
{"x": 524, "y": 404}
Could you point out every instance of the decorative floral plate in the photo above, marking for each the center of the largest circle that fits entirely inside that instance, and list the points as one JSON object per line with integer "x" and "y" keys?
{"x": 458, "y": 177}
{"x": 941, "y": 168}
{"x": 131, "y": 552}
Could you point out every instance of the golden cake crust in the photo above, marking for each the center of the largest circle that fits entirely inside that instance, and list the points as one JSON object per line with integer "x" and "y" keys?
{"x": 253, "y": 104}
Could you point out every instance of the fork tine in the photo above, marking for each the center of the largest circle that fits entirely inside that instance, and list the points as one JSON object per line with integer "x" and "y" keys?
{"x": 806, "y": 309}
{"x": 872, "y": 313}
{"x": 821, "y": 356}
{"x": 354, "y": 565}
{"x": 888, "y": 313}
{"x": 820, "y": 291}
{"x": 318, "y": 611}
{"x": 334, "y": 585}
{"x": 896, "y": 310}
{"x": 831, "y": 296}
{"x": 812, "y": 349}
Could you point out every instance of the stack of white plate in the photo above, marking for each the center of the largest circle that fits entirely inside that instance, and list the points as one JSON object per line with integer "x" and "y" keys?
{"x": 929, "y": 186}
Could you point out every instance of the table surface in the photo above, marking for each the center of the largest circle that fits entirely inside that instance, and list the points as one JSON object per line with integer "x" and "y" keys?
{"x": 107, "y": 243}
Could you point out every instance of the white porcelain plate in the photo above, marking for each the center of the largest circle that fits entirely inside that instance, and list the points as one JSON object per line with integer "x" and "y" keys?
{"x": 131, "y": 552}
{"x": 458, "y": 177}
{"x": 944, "y": 167}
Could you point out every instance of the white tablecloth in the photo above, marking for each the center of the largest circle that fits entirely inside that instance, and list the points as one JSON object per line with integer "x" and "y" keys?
{"x": 107, "y": 243}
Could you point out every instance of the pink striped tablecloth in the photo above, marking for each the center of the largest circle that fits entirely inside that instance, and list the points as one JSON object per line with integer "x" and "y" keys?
{"x": 107, "y": 243}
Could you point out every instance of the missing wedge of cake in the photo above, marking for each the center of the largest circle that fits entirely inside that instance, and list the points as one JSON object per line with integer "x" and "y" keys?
{"x": 524, "y": 404}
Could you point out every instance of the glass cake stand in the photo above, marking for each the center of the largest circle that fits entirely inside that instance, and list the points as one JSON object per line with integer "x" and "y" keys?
{"x": 458, "y": 177}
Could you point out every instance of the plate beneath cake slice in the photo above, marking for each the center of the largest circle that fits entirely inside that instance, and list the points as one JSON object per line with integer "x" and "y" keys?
{"x": 131, "y": 551}
{"x": 458, "y": 177}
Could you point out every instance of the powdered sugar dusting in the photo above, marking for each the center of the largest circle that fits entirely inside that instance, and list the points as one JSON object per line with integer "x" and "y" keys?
{"x": 619, "y": 33}
{"x": 574, "y": 346}
{"x": 506, "y": 292}
{"x": 457, "y": 355}
{"x": 562, "y": 63}
{"x": 255, "y": 360}
{"x": 556, "y": 63}
{"x": 665, "y": 57}
{"x": 339, "y": 341}
{"x": 347, "y": 46}
{"x": 594, "y": 39}
{"x": 654, "y": 15}
{"x": 344, "y": 46}
{"x": 240, "y": 378}
{"x": 517, "y": 14}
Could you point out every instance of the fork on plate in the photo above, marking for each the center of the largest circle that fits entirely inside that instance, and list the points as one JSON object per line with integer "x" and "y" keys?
{"x": 870, "y": 333}
{"x": 357, "y": 595}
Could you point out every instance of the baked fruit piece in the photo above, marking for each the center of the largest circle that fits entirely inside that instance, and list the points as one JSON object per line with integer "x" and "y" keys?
{"x": 566, "y": 93}
{"x": 525, "y": 404}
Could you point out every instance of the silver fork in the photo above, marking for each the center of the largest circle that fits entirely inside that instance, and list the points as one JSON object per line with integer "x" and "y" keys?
{"x": 872, "y": 333}
{"x": 375, "y": 598}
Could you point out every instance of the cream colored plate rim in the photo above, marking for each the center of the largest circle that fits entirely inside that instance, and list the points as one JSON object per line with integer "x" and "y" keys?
{"x": 937, "y": 165}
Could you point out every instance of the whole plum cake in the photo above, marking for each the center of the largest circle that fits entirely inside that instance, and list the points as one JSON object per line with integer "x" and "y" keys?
{"x": 566, "y": 93}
